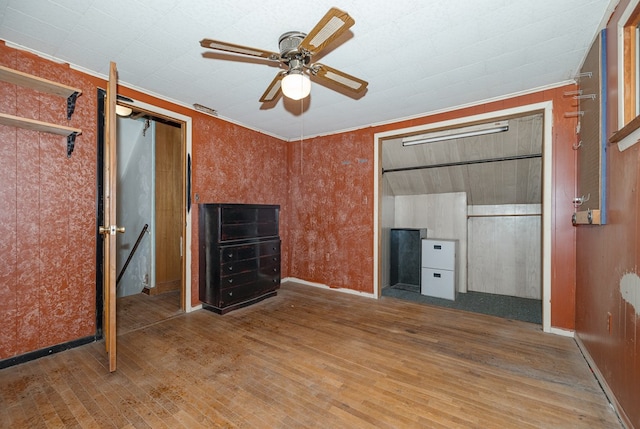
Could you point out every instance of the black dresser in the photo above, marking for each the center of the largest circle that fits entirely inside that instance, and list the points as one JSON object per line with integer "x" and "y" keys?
{"x": 239, "y": 254}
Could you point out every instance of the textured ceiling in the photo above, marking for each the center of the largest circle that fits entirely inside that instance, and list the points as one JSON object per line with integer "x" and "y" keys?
{"x": 418, "y": 56}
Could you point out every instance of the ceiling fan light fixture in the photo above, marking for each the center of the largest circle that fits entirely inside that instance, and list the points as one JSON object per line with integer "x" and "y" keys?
{"x": 296, "y": 85}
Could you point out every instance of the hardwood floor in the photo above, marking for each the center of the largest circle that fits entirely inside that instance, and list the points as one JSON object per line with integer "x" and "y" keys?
{"x": 315, "y": 358}
{"x": 140, "y": 310}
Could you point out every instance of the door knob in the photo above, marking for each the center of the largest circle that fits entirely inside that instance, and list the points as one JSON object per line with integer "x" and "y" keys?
{"x": 111, "y": 230}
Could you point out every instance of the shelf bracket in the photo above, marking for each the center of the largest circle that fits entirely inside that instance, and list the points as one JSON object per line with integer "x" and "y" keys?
{"x": 71, "y": 104}
{"x": 71, "y": 141}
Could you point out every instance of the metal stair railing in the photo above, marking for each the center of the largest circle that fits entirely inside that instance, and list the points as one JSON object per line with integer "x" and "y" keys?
{"x": 135, "y": 246}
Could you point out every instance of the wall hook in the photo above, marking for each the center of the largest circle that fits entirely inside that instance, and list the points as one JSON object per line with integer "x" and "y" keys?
{"x": 578, "y": 201}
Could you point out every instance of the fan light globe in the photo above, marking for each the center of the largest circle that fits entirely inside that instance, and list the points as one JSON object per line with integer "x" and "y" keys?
{"x": 296, "y": 85}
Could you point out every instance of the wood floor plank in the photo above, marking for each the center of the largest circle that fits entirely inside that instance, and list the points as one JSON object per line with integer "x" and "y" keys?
{"x": 311, "y": 358}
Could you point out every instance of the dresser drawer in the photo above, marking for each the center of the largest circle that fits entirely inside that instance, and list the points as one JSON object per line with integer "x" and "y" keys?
{"x": 242, "y": 252}
{"x": 237, "y": 294}
{"x": 238, "y": 252}
{"x": 237, "y": 267}
{"x": 270, "y": 265}
{"x": 438, "y": 283}
{"x": 439, "y": 254}
{"x": 271, "y": 247}
{"x": 238, "y": 279}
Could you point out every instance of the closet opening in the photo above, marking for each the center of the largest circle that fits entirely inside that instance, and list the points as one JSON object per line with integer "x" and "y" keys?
{"x": 484, "y": 195}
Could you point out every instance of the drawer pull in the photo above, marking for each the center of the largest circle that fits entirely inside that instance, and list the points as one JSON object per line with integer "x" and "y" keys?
{"x": 437, "y": 275}
{"x": 275, "y": 270}
{"x": 230, "y": 293}
{"x": 437, "y": 246}
{"x": 231, "y": 268}
{"x": 229, "y": 255}
{"x": 230, "y": 280}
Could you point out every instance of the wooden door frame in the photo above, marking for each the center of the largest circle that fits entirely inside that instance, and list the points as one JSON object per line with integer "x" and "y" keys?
{"x": 187, "y": 131}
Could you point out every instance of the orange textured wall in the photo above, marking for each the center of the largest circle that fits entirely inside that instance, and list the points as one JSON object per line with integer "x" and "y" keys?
{"x": 47, "y": 215}
{"x": 608, "y": 254}
{"x": 331, "y": 210}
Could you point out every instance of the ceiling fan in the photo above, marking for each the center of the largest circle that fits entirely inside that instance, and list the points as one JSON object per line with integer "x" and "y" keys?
{"x": 296, "y": 50}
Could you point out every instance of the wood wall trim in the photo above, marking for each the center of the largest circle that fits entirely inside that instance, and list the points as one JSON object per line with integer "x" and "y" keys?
{"x": 603, "y": 383}
{"x": 629, "y": 53}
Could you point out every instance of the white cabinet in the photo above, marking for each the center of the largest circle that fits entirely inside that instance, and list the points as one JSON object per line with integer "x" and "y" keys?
{"x": 439, "y": 268}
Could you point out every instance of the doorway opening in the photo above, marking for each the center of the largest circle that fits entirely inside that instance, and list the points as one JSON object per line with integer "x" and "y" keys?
{"x": 153, "y": 256}
{"x": 469, "y": 203}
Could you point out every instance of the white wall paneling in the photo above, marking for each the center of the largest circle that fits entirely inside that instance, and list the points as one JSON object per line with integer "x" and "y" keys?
{"x": 504, "y": 250}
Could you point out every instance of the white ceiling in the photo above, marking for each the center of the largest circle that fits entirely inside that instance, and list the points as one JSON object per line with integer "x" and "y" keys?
{"x": 418, "y": 56}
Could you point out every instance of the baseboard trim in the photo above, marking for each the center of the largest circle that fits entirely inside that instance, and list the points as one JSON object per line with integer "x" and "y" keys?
{"x": 624, "y": 419}
{"x": 562, "y": 332}
{"x": 36, "y": 354}
{"x": 323, "y": 286}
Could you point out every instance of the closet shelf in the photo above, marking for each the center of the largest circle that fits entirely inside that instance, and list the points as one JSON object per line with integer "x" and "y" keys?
{"x": 33, "y": 125}
{"x": 43, "y": 85}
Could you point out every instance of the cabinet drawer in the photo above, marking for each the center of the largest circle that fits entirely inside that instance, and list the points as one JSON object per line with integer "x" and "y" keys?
{"x": 270, "y": 247}
{"x": 237, "y": 294}
{"x": 249, "y": 251}
{"x": 237, "y": 279}
{"x": 239, "y": 231}
{"x": 439, "y": 254}
{"x": 238, "y": 253}
{"x": 438, "y": 283}
{"x": 270, "y": 265}
{"x": 237, "y": 267}
{"x": 236, "y": 273}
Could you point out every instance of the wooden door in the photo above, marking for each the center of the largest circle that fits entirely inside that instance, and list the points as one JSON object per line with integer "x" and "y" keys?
{"x": 168, "y": 207}
{"x": 110, "y": 229}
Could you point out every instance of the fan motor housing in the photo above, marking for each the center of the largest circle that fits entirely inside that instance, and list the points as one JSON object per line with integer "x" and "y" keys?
{"x": 289, "y": 43}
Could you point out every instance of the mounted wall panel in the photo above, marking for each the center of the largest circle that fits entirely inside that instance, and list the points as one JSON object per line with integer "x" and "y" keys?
{"x": 591, "y": 149}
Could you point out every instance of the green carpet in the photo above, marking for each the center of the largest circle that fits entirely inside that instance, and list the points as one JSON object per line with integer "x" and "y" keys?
{"x": 508, "y": 307}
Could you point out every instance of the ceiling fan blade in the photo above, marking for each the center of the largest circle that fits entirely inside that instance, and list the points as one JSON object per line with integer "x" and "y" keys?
{"x": 331, "y": 26}
{"x": 274, "y": 89}
{"x": 238, "y": 49}
{"x": 343, "y": 80}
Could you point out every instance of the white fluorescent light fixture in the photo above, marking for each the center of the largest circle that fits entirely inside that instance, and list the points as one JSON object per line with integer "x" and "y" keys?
{"x": 457, "y": 133}
{"x": 205, "y": 109}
